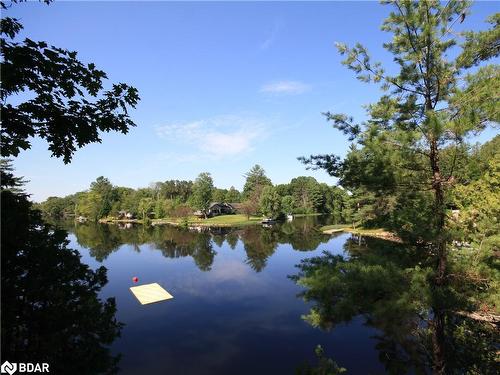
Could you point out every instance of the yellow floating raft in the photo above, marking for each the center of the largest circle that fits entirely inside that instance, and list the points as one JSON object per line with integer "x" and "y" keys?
{"x": 150, "y": 293}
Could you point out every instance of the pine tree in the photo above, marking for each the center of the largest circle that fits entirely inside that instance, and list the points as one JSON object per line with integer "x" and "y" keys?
{"x": 424, "y": 109}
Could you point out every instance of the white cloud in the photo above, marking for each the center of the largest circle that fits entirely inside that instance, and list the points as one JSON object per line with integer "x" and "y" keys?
{"x": 269, "y": 41}
{"x": 216, "y": 138}
{"x": 285, "y": 87}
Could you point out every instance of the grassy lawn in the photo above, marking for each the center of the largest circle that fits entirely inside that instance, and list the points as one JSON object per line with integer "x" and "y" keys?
{"x": 228, "y": 220}
{"x": 217, "y": 221}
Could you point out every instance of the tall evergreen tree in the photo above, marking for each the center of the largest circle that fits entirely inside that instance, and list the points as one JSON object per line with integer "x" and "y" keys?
{"x": 425, "y": 108}
{"x": 255, "y": 181}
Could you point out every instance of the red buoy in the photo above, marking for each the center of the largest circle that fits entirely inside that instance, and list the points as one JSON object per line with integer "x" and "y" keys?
{"x": 135, "y": 279}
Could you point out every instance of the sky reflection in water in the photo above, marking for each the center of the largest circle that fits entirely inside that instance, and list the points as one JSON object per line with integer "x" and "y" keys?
{"x": 234, "y": 308}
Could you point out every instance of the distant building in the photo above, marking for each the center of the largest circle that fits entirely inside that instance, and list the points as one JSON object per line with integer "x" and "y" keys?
{"x": 221, "y": 208}
{"x": 236, "y": 207}
{"x": 216, "y": 209}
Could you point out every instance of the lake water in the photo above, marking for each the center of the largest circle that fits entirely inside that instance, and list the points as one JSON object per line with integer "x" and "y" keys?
{"x": 234, "y": 311}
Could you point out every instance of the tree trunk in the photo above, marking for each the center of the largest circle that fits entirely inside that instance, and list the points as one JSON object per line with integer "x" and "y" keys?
{"x": 438, "y": 322}
{"x": 438, "y": 342}
{"x": 440, "y": 241}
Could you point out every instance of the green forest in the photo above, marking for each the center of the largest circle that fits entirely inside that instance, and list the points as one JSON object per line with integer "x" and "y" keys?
{"x": 174, "y": 198}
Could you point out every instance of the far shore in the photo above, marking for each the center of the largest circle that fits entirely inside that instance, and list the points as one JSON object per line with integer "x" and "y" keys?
{"x": 240, "y": 220}
{"x": 237, "y": 220}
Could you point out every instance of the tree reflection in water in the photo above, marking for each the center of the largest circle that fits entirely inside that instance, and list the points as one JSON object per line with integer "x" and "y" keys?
{"x": 379, "y": 281}
{"x": 50, "y": 309}
{"x": 302, "y": 234}
{"x": 259, "y": 243}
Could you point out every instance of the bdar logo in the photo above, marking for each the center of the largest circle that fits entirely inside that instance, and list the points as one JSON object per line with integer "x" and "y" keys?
{"x": 8, "y": 367}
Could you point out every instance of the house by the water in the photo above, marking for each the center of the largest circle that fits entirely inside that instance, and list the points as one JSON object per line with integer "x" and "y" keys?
{"x": 216, "y": 209}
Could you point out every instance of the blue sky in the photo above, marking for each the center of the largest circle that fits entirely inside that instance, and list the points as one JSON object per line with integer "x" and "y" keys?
{"x": 223, "y": 86}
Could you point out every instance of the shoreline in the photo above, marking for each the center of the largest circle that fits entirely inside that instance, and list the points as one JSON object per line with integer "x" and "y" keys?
{"x": 238, "y": 220}
{"x": 375, "y": 233}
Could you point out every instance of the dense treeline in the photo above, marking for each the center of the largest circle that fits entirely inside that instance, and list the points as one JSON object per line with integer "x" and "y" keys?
{"x": 174, "y": 198}
{"x": 302, "y": 195}
{"x": 390, "y": 208}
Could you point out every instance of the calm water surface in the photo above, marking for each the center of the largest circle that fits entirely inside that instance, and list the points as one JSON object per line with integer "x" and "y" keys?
{"x": 235, "y": 311}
